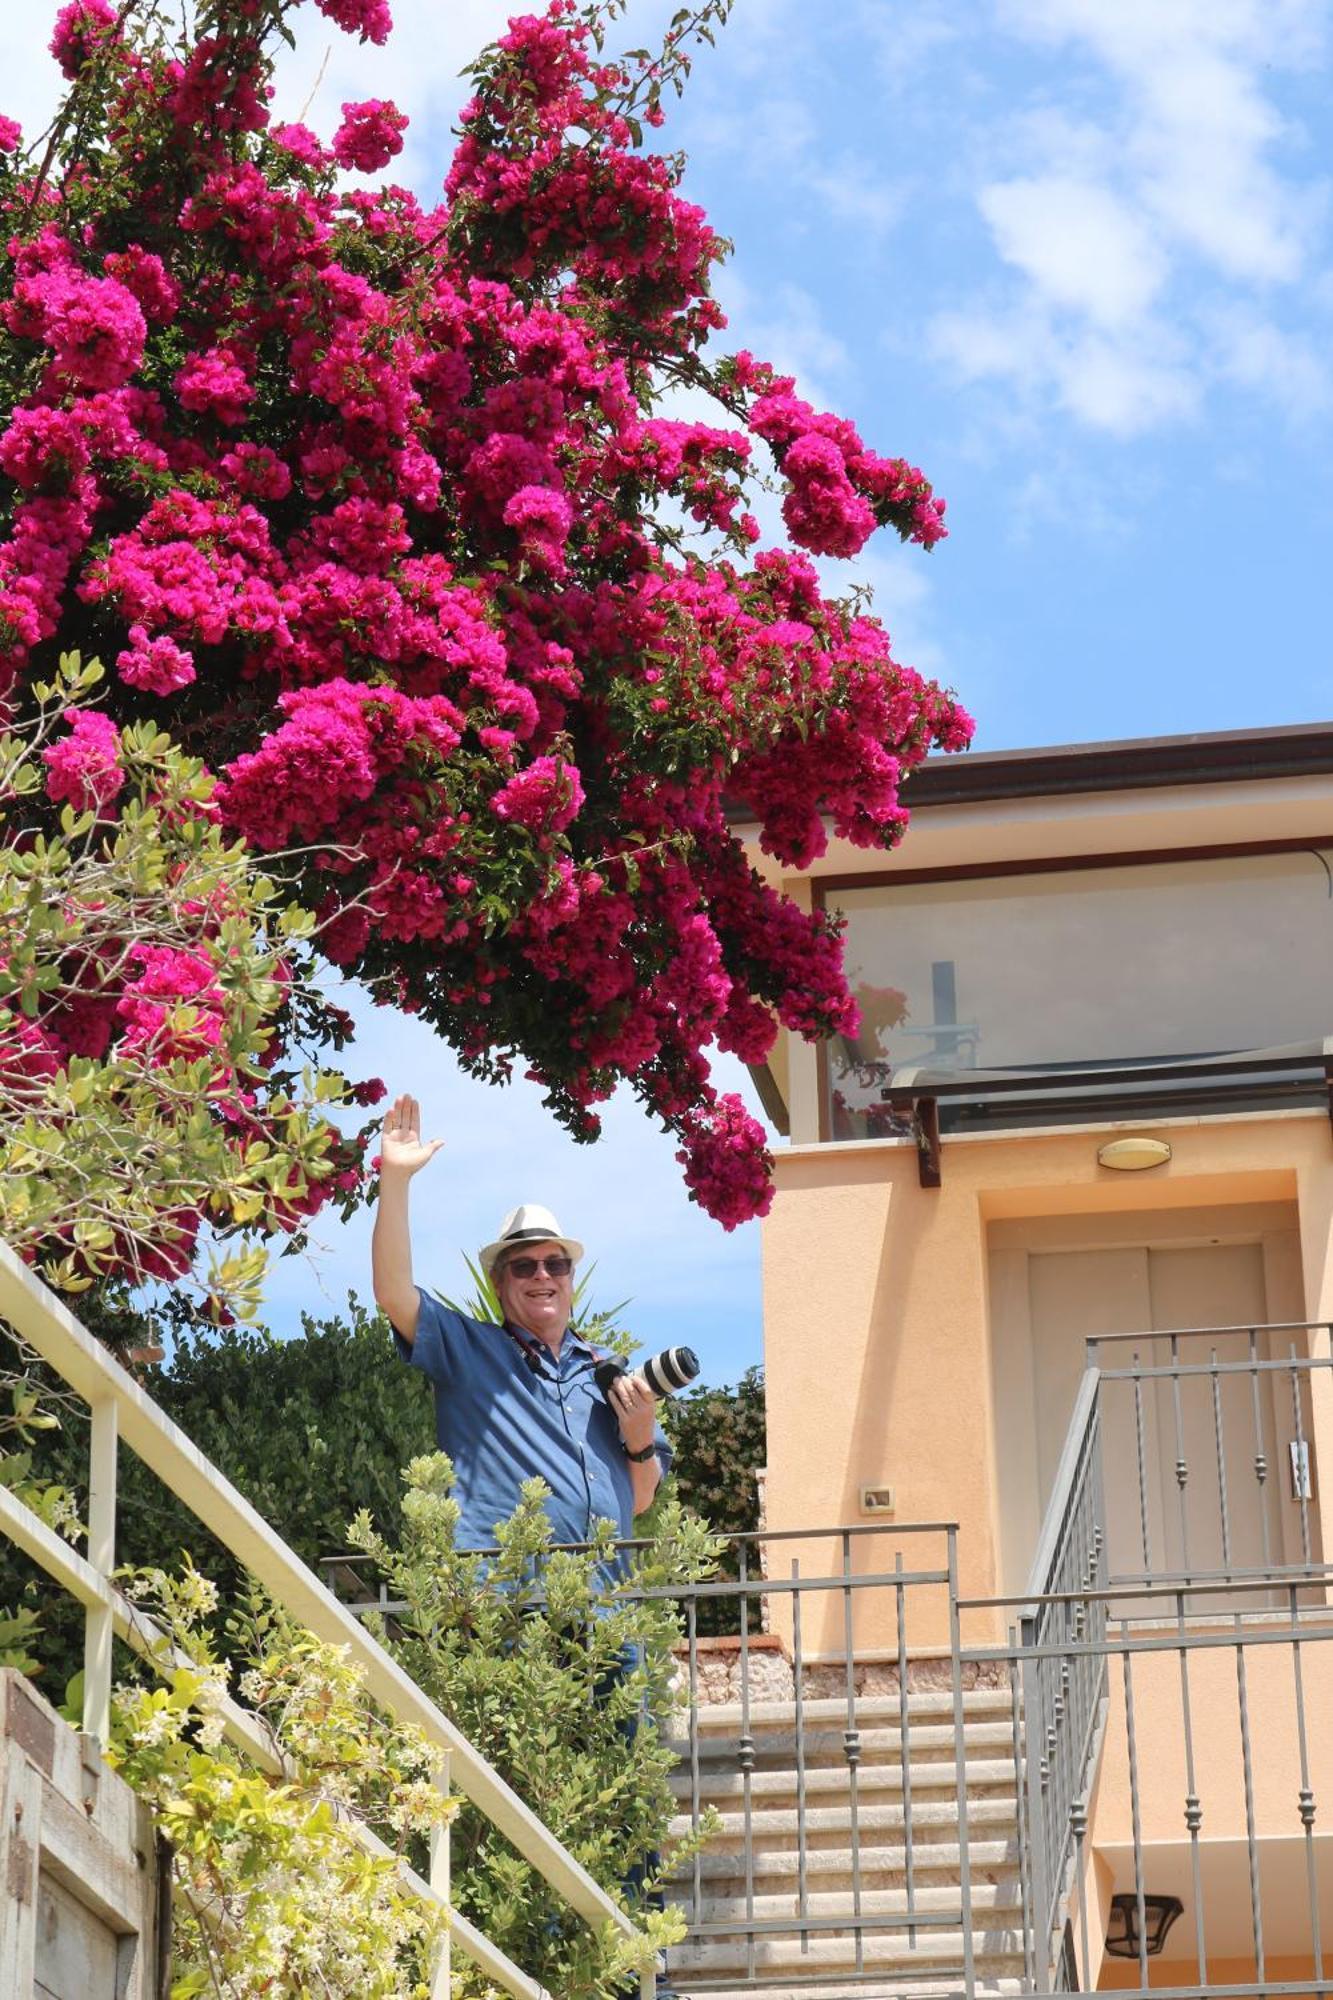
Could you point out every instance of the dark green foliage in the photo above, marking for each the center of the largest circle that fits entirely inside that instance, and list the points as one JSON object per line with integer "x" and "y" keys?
{"x": 719, "y": 1440}
{"x": 311, "y": 1430}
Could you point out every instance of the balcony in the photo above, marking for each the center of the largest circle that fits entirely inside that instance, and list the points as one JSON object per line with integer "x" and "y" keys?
{"x": 1076, "y": 991}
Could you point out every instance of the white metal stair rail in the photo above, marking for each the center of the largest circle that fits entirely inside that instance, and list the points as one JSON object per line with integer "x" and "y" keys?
{"x": 120, "y": 1409}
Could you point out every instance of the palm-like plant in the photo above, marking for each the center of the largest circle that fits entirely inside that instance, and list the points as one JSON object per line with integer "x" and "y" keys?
{"x": 598, "y": 1325}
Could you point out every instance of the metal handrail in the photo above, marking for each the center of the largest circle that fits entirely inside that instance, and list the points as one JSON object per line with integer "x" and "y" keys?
{"x": 1061, "y": 1695}
{"x": 920, "y": 1080}
{"x": 1057, "y": 1508}
{"x": 120, "y": 1409}
{"x": 1096, "y": 1340}
{"x": 1147, "y": 1785}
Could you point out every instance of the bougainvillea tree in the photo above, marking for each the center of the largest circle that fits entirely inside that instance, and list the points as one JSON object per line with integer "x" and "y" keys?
{"x": 154, "y": 988}
{"x": 390, "y": 513}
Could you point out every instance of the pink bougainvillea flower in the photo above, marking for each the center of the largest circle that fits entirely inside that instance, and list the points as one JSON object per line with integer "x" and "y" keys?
{"x": 214, "y": 383}
{"x": 369, "y": 136}
{"x": 158, "y": 666}
{"x": 368, "y": 19}
{"x": 545, "y": 796}
{"x": 79, "y": 27}
{"x": 84, "y": 767}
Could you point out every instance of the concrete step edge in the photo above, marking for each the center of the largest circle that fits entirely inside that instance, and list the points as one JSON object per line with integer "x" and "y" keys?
{"x": 934, "y": 1858}
{"x": 768, "y": 1820}
{"x": 981, "y": 1772}
{"x": 932, "y": 1950}
{"x": 928, "y": 1987}
{"x": 871, "y": 1710}
{"x": 824, "y": 1742}
{"x": 989, "y": 1896}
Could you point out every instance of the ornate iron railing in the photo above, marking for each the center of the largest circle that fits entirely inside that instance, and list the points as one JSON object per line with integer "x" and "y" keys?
{"x": 1204, "y": 1539}
{"x": 1179, "y": 1747}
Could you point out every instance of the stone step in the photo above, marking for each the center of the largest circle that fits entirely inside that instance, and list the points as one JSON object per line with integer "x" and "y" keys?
{"x": 928, "y": 1742}
{"x": 872, "y": 1711}
{"x": 945, "y": 1900}
{"x": 931, "y": 1819}
{"x": 898, "y": 1987}
{"x": 985, "y": 1776}
{"x": 998, "y": 1953}
{"x": 882, "y": 1867}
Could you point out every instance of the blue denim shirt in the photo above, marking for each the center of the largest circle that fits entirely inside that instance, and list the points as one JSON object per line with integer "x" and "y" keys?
{"x": 507, "y": 1410}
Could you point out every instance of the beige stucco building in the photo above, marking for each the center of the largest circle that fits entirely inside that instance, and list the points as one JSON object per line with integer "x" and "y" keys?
{"x": 1074, "y": 947}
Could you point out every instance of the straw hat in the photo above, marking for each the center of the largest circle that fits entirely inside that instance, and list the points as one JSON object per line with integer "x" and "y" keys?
{"x": 528, "y": 1223}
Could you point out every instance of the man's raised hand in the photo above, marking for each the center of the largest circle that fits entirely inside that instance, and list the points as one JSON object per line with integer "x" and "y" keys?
{"x": 403, "y": 1151}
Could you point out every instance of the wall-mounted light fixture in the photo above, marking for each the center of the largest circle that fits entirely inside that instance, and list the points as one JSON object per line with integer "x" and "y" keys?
{"x": 1122, "y": 1933}
{"x": 1133, "y": 1154}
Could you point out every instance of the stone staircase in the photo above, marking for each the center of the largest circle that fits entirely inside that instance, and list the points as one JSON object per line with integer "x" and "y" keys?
{"x": 895, "y": 1959}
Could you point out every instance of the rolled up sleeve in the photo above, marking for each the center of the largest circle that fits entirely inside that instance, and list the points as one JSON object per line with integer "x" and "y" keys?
{"x": 435, "y": 1349}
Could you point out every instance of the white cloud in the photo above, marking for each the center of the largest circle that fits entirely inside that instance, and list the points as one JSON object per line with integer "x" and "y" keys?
{"x": 1079, "y": 245}
{"x": 830, "y": 184}
{"x": 1122, "y": 385}
{"x": 1119, "y": 388}
{"x": 845, "y": 193}
{"x": 1200, "y": 147}
{"x": 906, "y": 38}
{"x": 1288, "y": 369}
{"x": 1183, "y": 201}
{"x": 1203, "y": 140}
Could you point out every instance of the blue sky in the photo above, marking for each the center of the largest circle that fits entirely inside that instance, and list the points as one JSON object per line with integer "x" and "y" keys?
{"x": 1072, "y": 258}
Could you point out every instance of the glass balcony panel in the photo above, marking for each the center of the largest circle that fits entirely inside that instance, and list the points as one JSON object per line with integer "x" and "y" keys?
{"x": 1080, "y": 967}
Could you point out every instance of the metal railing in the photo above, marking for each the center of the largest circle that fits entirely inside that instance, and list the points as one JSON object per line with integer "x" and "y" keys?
{"x": 1200, "y": 1536}
{"x": 1196, "y": 1806}
{"x": 902, "y": 1808}
{"x": 1059, "y": 1695}
{"x": 828, "y": 1726}
{"x": 1204, "y": 1413}
{"x": 837, "y": 1730}
{"x": 1298, "y": 1075}
{"x": 121, "y": 1412}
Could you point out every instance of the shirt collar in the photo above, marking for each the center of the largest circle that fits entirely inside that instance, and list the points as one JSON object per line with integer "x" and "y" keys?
{"x": 541, "y": 1352}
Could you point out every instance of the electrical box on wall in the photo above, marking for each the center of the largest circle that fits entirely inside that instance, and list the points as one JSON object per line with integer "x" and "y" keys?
{"x": 877, "y": 1500}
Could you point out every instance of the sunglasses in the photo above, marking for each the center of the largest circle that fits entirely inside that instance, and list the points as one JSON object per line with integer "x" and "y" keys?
{"x": 528, "y": 1267}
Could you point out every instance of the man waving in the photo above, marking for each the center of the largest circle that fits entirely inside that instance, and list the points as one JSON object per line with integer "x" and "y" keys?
{"x": 516, "y": 1401}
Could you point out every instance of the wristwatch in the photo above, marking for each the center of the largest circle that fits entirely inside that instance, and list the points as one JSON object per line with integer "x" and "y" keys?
{"x": 640, "y": 1457}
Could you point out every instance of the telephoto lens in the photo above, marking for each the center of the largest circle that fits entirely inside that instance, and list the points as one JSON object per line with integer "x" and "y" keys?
{"x": 670, "y": 1370}
{"x": 664, "y": 1372}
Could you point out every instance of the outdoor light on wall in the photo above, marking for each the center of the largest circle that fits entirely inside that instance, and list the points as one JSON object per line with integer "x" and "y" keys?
{"x": 1134, "y": 1154}
{"x": 1122, "y": 1933}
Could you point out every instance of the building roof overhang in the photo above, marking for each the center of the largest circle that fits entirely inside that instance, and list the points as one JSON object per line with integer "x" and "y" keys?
{"x": 1152, "y": 796}
{"x": 1128, "y": 764}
